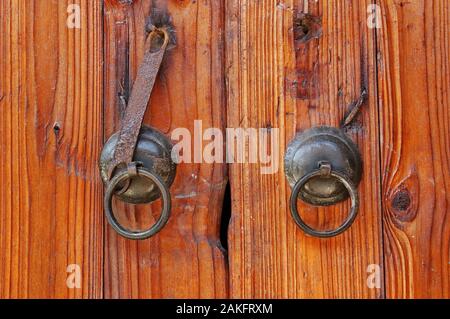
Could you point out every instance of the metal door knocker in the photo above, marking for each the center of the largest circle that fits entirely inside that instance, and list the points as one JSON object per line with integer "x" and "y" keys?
{"x": 323, "y": 167}
{"x": 136, "y": 164}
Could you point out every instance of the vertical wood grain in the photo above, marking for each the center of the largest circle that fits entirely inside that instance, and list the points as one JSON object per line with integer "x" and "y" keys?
{"x": 50, "y": 137}
{"x": 414, "y": 84}
{"x": 185, "y": 260}
{"x": 276, "y": 81}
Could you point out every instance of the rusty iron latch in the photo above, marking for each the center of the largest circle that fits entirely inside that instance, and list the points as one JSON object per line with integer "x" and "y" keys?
{"x": 136, "y": 164}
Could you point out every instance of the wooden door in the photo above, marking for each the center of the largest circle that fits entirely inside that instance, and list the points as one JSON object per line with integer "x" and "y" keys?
{"x": 186, "y": 259}
{"x": 60, "y": 101}
{"x": 286, "y": 65}
{"x": 301, "y": 64}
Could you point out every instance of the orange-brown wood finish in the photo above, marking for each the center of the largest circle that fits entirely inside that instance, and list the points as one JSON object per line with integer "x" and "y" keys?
{"x": 186, "y": 259}
{"x": 287, "y": 65}
{"x": 50, "y": 138}
{"x": 279, "y": 79}
{"x": 414, "y": 86}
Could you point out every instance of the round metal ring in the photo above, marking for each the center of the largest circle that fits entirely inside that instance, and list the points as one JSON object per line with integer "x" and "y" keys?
{"x": 121, "y": 177}
{"x": 327, "y": 233}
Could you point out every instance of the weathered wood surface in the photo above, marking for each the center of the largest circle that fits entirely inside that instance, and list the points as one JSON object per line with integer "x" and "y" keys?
{"x": 186, "y": 259}
{"x": 59, "y": 101}
{"x": 50, "y": 138}
{"x": 277, "y": 81}
{"x": 414, "y": 86}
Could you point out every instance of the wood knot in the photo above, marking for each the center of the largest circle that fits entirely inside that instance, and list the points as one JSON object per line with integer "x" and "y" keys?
{"x": 183, "y": 3}
{"x": 401, "y": 201}
{"x": 161, "y": 19}
{"x": 56, "y": 128}
{"x": 307, "y": 27}
{"x": 118, "y": 3}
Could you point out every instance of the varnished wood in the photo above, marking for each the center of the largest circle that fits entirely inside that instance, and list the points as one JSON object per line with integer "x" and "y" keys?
{"x": 186, "y": 259}
{"x": 414, "y": 85}
{"x": 277, "y": 81}
{"x": 50, "y": 137}
{"x": 237, "y": 63}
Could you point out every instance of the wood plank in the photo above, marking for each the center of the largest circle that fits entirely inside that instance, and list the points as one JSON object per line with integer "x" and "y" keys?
{"x": 276, "y": 82}
{"x": 186, "y": 259}
{"x": 414, "y": 84}
{"x": 50, "y": 137}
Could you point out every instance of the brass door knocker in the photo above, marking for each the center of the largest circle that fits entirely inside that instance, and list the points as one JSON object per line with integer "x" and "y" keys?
{"x": 136, "y": 164}
{"x": 323, "y": 167}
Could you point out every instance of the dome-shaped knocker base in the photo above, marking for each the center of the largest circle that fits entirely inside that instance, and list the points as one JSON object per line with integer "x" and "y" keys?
{"x": 153, "y": 152}
{"x": 319, "y": 145}
{"x": 323, "y": 167}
